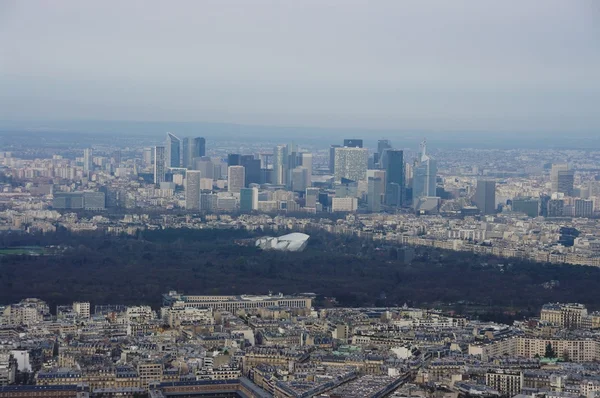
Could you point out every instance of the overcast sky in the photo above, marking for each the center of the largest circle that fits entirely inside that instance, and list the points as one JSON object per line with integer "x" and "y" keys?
{"x": 431, "y": 65}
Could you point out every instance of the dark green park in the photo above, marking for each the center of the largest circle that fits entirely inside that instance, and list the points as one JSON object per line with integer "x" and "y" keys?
{"x": 138, "y": 269}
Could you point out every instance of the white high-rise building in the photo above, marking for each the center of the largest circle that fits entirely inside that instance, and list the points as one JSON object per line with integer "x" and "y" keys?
{"x": 82, "y": 309}
{"x": 88, "y": 160}
{"x": 236, "y": 176}
{"x": 351, "y": 163}
{"x": 344, "y": 204}
{"x": 148, "y": 157}
{"x": 206, "y": 184}
{"x": 299, "y": 177}
{"x": 306, "y": 161}
{"x": 280, "y": 165}
{"x": 192, "y": 189}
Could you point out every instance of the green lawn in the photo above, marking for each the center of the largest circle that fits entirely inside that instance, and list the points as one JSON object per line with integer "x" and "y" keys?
{"x": 24, "y": 250}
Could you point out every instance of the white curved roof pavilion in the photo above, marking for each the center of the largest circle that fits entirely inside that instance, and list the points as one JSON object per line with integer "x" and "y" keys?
{"x": 294, "y": 242}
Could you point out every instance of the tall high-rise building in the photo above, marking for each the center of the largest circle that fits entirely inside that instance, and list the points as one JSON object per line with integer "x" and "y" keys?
{"x": 173, "y": 154}
{"x": 192, "y": 148}
{"x": 299, "y": 177}
{"x": 234, "y": 159}
{"x": 332, "y": 158}
{"x": 485, "y": 196}
{"x": 280, "y": 165}
{"x": 382, "y": 147}
{"x": 562, "y": 179}
{"x": 584, "y": 208}
{"x": 306, "y": 161}
{"x": 351, "y": 163}
{"x": 148, "y": 157}
{"x": 394, "y": 174}
{"x": 353, "y": 143}
{"x": 424, "y": 175}
{"x": 248, "y": 199}
{"x": 375, "y": 185}
{"x": 88, "y": 160}
{"x": 252, "y": 169}
{"x": 159, "y": 164}
{"x": 205, "y": 166}
{"x": 192, "y": 189}
{"x": 394, "y": 194}
{"x": 235, "y": 178}
{"x": 311, "y": 197}
{"x": 293, "y": 161}
{"x": 556, "y": 208}
{"x": 380, "y": 177}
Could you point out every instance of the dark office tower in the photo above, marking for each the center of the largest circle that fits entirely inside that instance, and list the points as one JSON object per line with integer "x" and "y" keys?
{"x": 584, "y": 208}
{"x": 556, "y": 208}
{"x": 485, "y": 196}
{"x": 193, "y": 148}
{"x": 252, "y": 166}
{"x": 394, "y": 195}
{"x": 200, "y": 146}
{"x": 353, "y": 143}
{"x": 544, "y": 199}
{"x": 566, "y": 178}
{"x": 324, "y": 199}
{"x": 332, "y": 158}
{"x": 561, "y": 177}
{"x": 266, "y": 176}
{"x": 529, "y": 206}
{"x": 173, "y": 153}
{"x": 234, "y": 159}
{"x": 394, "y": 174}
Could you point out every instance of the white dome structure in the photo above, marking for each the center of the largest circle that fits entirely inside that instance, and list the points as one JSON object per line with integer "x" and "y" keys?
{"x": 294, "y": 242}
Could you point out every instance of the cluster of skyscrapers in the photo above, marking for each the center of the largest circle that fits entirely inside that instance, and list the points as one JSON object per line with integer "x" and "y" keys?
{"x": 381, "y": 179}
{"x": 391, "y": 181}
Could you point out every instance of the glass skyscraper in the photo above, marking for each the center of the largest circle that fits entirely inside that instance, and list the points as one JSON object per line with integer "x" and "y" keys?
{"x": 193, "y": 148}
{"x": 173, "y": 150}
{"x": 394, "y": 175}
{"x": 424, "y": 175}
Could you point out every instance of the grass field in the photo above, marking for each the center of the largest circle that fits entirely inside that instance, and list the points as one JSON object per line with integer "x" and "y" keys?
{"x": 24, "y": 250}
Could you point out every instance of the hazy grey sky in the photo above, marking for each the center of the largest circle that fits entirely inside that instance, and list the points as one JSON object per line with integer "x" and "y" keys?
{"x": 437, "y": 65}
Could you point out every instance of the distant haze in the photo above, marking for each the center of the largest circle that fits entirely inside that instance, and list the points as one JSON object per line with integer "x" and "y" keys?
{"x": 489, "y": 66}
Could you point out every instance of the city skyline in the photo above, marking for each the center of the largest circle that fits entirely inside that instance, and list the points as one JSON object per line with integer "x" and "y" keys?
{"x": 332, "y": 199}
